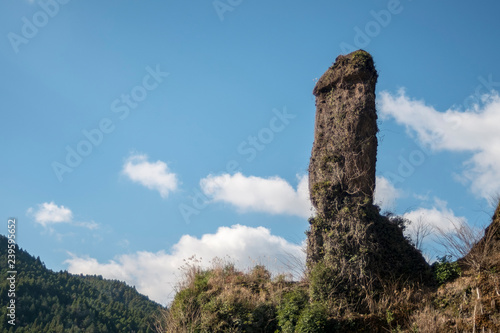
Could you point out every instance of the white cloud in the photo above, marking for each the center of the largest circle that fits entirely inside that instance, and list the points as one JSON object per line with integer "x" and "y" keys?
{"x": 89, "y": 225}
{"x": 474, "y": 130}
{"x": 385, "y": 194}
{"x": 272, "y": 195}
{"x": 155, "y": 274}
{"x": 276, "y": 196}
{"x": 48, "y": 213}
{"x": 439, "y": 216}
{"x": 154, "y": 176}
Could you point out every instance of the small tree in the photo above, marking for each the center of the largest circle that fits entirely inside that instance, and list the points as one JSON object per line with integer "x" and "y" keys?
{"x": 420, "y": 230}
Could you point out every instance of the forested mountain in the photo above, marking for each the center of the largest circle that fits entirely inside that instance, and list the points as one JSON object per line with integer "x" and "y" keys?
{"x": 48, "y": 301}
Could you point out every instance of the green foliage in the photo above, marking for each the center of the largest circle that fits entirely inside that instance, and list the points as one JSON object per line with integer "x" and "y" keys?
{"x": 321, "y": 188}
{"x": 313, "y": 319}
{"x": 290, "y": 308}
{"x": 201, "y": 281}
{"x": 445, "y": 270}
{"x": 389, "y": 315}
{"x": 361, "y": 58}
{"x": 224, "y": 299}
{"x": 322, "y": 282}
{"x": 61, "y": 302}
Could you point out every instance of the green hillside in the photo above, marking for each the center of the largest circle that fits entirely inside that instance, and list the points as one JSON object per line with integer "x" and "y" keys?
{"x": 48, "y": 301}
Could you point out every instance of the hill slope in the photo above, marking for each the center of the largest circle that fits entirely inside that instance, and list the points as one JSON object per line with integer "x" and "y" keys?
{"x": 48, "y": 301}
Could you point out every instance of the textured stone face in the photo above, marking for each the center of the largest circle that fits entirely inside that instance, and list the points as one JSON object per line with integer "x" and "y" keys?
{"x": 352, "y": 251}
{"x": 345, "y": 144}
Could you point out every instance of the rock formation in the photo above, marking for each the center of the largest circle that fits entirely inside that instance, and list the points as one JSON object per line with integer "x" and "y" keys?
{"x": 345, "y": 142}
{"x": 353, "y": 251}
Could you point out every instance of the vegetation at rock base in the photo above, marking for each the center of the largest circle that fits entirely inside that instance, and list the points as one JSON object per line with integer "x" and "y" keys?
{"x": 48, "y": 301}
{"x": 223, "y": 299}
{"x": 465, "y": 298}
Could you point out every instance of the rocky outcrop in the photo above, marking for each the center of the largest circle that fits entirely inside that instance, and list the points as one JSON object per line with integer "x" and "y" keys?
{"x": 352, "y": 251}
{"x": 345, "y": 143}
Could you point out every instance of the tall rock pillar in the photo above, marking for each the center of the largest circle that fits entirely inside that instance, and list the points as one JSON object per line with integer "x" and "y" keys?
{"x": 345, "y": 143}
{"x": 352, "y": 251}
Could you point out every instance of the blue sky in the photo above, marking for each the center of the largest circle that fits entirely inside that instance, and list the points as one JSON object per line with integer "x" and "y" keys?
{"x": 193, "y": 124}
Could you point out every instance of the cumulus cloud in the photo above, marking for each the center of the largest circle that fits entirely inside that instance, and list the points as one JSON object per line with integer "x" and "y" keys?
{"x": 275, "y": 195}
{"x": 385, "y": 193}
{"x": 272, "y": 195}
{"x": 48, "y": 213}
{"x": 153, "y": 175}
{"x": 155, "y": 274}
{"x": 439, "y": 216}
{"x": 474, "y": 130}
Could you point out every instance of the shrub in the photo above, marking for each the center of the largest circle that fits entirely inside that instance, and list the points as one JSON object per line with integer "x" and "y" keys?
{"x": 201, "y": 281}
{"x": 223, "y": 299}
{"x": 323, "y": 282}
{"x": 445, "y": 270}
{"x": 313, "y": 319}
{"x": 290, "y": 308}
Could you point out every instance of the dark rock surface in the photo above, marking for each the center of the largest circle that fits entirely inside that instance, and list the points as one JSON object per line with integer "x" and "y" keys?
{"x": 345, "y": 143}
{"x": 352, "y": 250}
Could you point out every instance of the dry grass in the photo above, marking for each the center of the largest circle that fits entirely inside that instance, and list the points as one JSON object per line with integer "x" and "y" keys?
{"x": 470, "y": 303}
{"x": 460, "y": 240}
{"x": 476, "y": 249}
{"x": 428, "y": 320}
{"x": 466, "y": 243}
{"x": 224, "y": 299}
